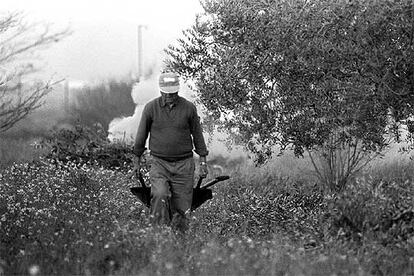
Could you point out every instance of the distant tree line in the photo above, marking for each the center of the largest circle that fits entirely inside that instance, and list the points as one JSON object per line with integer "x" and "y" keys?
{"x": 20, "y": 42}
{"x": 102, "y": 103}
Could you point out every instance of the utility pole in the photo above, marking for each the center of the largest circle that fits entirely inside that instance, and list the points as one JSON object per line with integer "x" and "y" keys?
{"x": 66, "y": 96}
{"x": 140, "y": 50}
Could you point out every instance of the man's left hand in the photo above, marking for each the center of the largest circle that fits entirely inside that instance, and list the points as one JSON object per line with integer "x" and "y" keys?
{"x": 203, "y": 169}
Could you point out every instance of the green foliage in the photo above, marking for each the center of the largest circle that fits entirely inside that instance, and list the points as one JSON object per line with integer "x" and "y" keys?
{"x": 297, "y": 72}
{"x": 377, "y": 215}
{"x": 88, "y": 145}
{"x": 102, "y": 103}
{"x": 245, "y": 207}
{"x": 382, "y": 207}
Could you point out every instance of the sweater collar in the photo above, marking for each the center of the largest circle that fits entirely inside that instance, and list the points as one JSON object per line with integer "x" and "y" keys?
{"x": 163, "y": 103}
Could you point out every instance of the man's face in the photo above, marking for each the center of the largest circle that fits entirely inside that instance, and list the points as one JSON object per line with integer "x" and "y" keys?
{"x": 169, "y": 97}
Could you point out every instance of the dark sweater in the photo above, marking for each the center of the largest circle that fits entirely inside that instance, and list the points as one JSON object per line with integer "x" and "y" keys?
{"x": 174, "y": 132}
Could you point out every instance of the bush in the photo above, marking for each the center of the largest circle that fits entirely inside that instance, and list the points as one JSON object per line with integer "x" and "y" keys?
{"x": 376, "y": 216}
{"x": 88, "y": 145}
{"x": 380, "y": 209}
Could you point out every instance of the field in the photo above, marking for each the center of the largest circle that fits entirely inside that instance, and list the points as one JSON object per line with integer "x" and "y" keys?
{"x": 333, "y": 77}
{"x": 67, "y": 219}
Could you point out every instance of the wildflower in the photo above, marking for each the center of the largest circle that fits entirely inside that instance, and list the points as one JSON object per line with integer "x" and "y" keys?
{"x": 322, "y": 258}
{"x": 265, "y": 251}
{"x": 34, "y": 270}
{"x": 230, "y": 243}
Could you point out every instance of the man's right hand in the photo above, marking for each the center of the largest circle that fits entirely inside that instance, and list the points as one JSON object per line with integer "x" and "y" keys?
{"x": 137, "y": 166}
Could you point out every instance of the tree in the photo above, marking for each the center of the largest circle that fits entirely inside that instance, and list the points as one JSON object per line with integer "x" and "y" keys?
{"x": 19, "y": 41}
{"x": 103, "y": 103}
{"x": 309, "y": 75}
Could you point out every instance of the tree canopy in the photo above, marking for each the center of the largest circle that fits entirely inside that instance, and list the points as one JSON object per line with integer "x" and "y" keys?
{"x": 295, "y": 73}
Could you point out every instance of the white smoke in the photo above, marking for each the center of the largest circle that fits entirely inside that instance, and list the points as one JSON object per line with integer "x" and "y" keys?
{"x": 124, "y": 129}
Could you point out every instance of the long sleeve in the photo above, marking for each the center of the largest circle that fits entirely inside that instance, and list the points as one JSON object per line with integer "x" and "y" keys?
{"x": 197, "y": 133}
{"x": 143, "y": 131}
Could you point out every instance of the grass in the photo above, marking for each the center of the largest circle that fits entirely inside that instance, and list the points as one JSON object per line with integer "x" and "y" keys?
{"x": 66, "y": 219}
{"x": 14, "y": 149}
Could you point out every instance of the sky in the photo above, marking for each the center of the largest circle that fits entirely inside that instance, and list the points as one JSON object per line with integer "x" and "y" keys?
{"x": 103, "y": 43}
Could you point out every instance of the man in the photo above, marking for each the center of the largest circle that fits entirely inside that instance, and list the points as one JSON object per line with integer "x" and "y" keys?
{"x": 174, "y": 128}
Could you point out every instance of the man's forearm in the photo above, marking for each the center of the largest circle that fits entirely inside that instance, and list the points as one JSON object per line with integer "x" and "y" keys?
{"x": 142, "y": 133}
{"x": 139, "y": 146}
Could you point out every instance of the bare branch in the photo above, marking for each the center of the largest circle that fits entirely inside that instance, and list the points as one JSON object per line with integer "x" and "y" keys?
{"x": 18, "y": 42}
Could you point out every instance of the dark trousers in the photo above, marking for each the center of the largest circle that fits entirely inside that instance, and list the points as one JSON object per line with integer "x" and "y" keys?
{"x": 171, "y": 191}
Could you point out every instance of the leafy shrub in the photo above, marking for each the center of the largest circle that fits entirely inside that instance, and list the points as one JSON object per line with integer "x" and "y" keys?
{"x": 378, "y": 217}
{"x": 382, "y": 209}
{"x": 88, "y": 145}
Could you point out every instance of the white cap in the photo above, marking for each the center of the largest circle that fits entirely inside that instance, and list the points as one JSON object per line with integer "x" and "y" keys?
{"x": 169, "y": 82}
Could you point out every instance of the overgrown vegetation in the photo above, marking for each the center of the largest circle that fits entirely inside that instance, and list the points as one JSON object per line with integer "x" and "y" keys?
{"x": 90, "y": 146}
{"x": 72, "y": 213}
{"x": 66, "y": 218}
